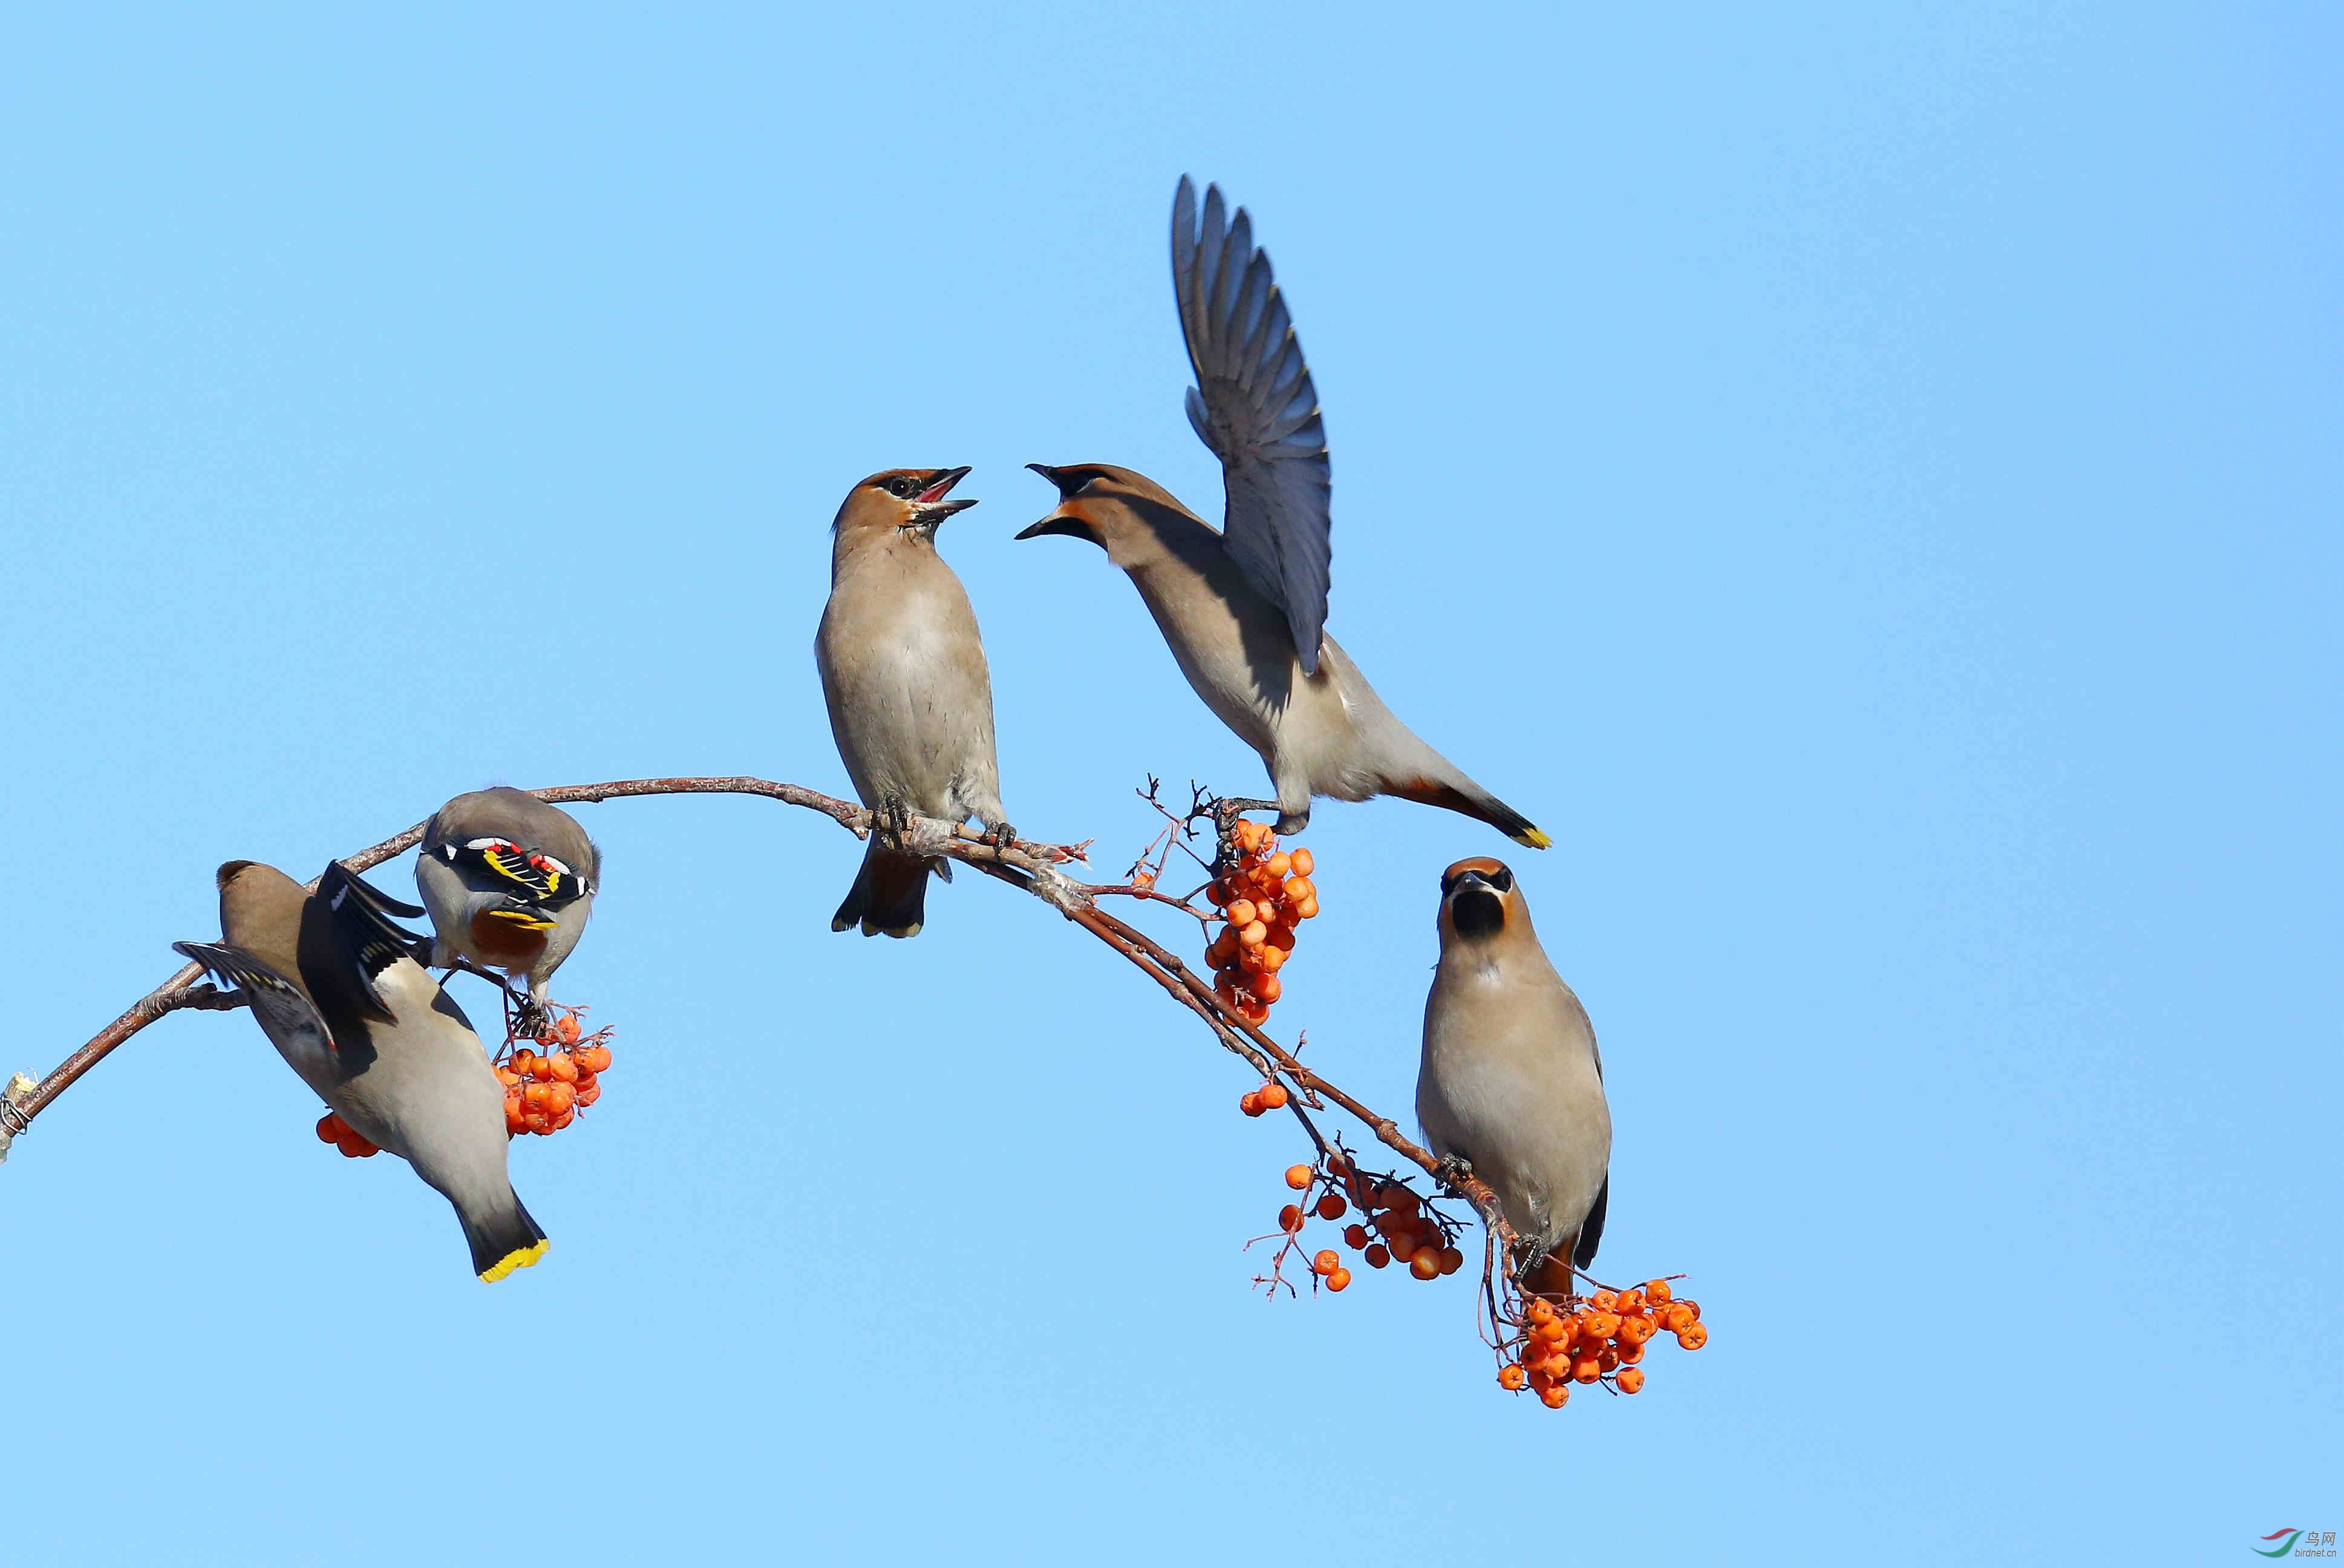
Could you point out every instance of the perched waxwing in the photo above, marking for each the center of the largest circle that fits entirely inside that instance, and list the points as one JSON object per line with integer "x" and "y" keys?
{"x": 510, "y": 883}
{"x": 338, "y": 988}
{"x": 911, "y": 700}
{"x": 1511, "y": 1081}
{"x": 1245, "y": 608}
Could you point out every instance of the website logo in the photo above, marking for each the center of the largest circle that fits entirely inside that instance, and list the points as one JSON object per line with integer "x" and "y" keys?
{"x": 2294, "y": 1542}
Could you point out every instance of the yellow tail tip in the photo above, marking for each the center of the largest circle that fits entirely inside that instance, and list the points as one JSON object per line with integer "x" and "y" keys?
{"x": 520, "y": 1258}
{"x": 523, "y": 918}
{"x": 1534, "y": 838}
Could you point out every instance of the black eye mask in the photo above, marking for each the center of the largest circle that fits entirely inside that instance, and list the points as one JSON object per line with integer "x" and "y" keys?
{"x": 1502, "y": 879}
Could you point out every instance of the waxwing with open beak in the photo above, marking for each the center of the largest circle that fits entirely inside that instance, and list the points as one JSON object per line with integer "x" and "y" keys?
{"x": 1243, "y": 609}
{"x": 910, "y": 697}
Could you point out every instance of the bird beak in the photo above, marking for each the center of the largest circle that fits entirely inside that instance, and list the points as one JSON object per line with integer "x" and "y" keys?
{"x": 1061, "y": 520}
{"x": 1059, "y": 523}
{"x": 930, "y": 508}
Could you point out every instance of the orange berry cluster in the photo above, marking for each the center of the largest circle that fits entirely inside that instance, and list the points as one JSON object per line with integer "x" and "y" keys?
{"x": 333, "y": 1129}
{"x": 1262, "y": 896}
{"x": 1411, "y": 1234}
{"x": 545, "y": 1090}
{"x": 1602, "y": 1340}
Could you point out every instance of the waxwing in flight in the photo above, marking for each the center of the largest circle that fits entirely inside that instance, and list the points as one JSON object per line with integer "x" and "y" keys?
{"x": 1243, "y": 609}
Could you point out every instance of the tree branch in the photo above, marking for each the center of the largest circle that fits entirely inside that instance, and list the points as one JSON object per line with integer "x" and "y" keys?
{"x": 1029, "y": 866}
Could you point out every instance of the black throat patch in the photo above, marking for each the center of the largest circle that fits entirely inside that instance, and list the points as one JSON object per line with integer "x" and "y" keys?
{"x": 1476, "y": 912}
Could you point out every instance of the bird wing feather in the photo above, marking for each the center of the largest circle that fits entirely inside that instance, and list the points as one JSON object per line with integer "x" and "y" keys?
{"x": 1254, "y": 405}
{"x": 366, "y": 939}
{"x": 284, "y": 1012}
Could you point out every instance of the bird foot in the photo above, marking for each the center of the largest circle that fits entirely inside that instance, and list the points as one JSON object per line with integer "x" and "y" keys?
{"x": 1450, "y": 1168}
{"x": 1001, "y": 836}
{"x": 1227, "y": 814}
{"x": 530, "y": 1019}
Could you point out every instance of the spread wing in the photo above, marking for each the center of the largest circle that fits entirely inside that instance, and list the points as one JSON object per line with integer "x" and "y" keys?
{"x": 365, "y": 941}
{"x": 1254, "y": 405}
{"x": 284, "y": 1012}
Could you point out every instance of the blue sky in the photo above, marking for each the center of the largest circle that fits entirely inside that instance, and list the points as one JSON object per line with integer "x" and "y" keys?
{"x": 1865, "y": 478}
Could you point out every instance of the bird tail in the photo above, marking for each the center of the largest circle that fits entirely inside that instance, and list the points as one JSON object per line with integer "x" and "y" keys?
{"x": 504, "y": 1239}
{"x": 1473, "y": 801}
{"x": 890, "y": 894}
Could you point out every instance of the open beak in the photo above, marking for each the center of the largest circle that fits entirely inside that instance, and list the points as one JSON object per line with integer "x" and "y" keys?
{"x": 930, "y": 508}
{"x": 1059, "y": 522}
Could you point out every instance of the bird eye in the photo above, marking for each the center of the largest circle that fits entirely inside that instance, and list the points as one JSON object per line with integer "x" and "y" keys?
{"x": 1502, "y": 879}
{"x": 899, "y": 487}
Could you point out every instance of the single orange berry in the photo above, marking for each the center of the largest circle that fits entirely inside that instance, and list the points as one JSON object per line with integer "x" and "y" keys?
{"x": 1586, "y": 1370}
{"x": 1694, "y": 1338}
{"x": 1332, "y": 1206}
{"x": 1425, "y": 1264}
{"x": 567, "y": 1031}
{"x": 1657, "y": 1290}
{"x": 1297, "y": 1177}
{"x": 1376, "y": 1254}
{"x": 1307, "y": 910}
{"x": 1539, "y": 1311}
{"x": 1631, "y": 1301}
{"x": 1241, "y": 912}
{"x": 1355, "y": 1237}
{"x": 1257, "y": 1013}
{"x": 1327, "y": 1263}
{"x": 1269, "y": 988}
{"x": 1510, "y": 1375}
{"x": 1631, "y": 1379}
{"x": 1607, "y": 1359}
{"x": 1303, "y": 865}
{"x": 1340, "y": 1280}
{"x": 1278, "y": 865}
{"x": 1555, "y": 1398}
{"x": 563, "y": 1066}
{"x": 1273, "y": 1097}
{"x": 1252, "y": 934}
{"x": 1271, "y": 957}
{"x": 1289, "y": 1218}
{"x": 587, "y": 1093}
{"x": 1631, "y": 1355}
{"x": 1249, "y": 1102}
{"x": 329, "y": 1128}
{"x": 1451, "y": 1260}
{"x": 1604, "y": 1300}
{"x": 1692, "y": 1307}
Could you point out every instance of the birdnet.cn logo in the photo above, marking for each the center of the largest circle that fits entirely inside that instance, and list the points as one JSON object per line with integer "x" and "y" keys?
{"x": 2299, "y": 1543}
